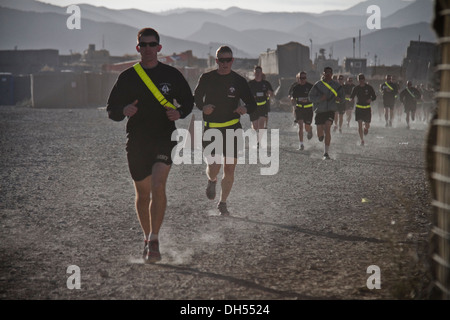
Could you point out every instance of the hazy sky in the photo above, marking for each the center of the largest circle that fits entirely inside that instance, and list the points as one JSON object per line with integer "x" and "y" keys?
{"x": 315, "y": 6}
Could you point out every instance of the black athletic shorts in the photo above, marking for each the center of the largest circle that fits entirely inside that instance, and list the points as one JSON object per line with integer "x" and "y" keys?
{"x": 217, "y": 149}
{"x": 143, "y": 154}
{"x": 323, "y": 117}
{"x": 365, "y": 115}
{"x": 341, "y": 107}
{"x": 410, "y": 108}
{"x": 305, "y": 114}
{"x": 349, "y": 105}
{"x": 261, "y": 111}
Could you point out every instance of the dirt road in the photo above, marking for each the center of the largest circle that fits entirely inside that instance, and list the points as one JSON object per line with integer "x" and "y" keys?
{"x": 311, "y": 231}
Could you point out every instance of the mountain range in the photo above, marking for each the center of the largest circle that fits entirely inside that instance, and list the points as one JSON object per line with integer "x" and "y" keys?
{"x": 29, "y": 24}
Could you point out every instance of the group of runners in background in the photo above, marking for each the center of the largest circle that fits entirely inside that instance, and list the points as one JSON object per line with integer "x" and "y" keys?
{"x": 336, "y": 98}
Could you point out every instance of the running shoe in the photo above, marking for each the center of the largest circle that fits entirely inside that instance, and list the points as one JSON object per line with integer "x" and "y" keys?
{"x": 211, "y": 189}
{"x": 310, "y": 135}
{"x": 326, "y": 157}
{"x": 153, "y": 254}
{"x": 222, "y": 206}
{"x": 321, "y": 138}
{"x": 301, "y": 147}
{"x": 366, "y": 131}
{"x": 144, "y": 254}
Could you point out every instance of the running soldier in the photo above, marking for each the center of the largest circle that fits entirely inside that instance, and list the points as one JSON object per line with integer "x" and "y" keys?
{"x": 218, "y": 94}
{"x": 419, "y": 108}
{"x": 262, "y": 91}
{"x": 149, "y": 130}
{"x": 398, "y": 110}
{"x": 428, "y": 102}
{"x": 389, "y": 90}
{"x": 409, "y": 97}
{"x": 349, "y": 105}
{"x": 302, "y": 107}
{"x": 365, "y": 95}
{"x": 339, "y": 115}
{"x": 324, "y": 95}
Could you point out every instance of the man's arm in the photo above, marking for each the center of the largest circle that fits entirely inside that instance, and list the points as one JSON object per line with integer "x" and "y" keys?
{"x": 247, "y": 97}
{"x": 116, "y": 101}
{"x": 270, "y": 89}
{"x": 353, "y": 94}
{"x": 341, "y": 93}
{"x": 373, "y": 95}
{"x": 185, "y": 98}
{"x": 199, "y": 93}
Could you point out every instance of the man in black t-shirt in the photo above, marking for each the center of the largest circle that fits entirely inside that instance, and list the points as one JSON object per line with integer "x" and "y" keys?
{"x": 389, "y": 89}
{"x": 365, "y": 95}
{"x": 349, "y": 105}
{"x": 341, "y": 105}
{"x": 409, "y": 97}
{"x": 218, "y": 95}
{"x": 262, "y": 91}
{"x": 302, "y": 107}
{"x": 149, "y": 130}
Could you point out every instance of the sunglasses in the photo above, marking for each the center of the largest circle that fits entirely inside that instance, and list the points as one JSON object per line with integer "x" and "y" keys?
{"x": 148, "y": 44}
{"x": 223, "y": 60}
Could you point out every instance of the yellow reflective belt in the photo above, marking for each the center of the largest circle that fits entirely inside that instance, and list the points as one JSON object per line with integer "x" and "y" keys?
{"x": 221, "y": 124}
{"x": 363, "y": 107}
{"x": 263, "y": 102}
{"x": 389, "y": 86}
{"x": 305, "y": 106}
{"x": 329, "y": 87}
{"x": 151, "y": 86}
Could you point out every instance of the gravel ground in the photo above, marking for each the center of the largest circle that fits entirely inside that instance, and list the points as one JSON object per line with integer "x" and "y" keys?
{"x": 311, "y": 231}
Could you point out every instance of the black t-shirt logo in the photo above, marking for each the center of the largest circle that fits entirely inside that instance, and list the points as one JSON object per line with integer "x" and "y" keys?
{"x": 231, "y": 92}
{"x": 164, "y": 88}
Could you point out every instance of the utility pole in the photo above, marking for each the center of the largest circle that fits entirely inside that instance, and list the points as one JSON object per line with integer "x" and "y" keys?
{"x": 354, "y": 40}
{"x": 360, "y": 43}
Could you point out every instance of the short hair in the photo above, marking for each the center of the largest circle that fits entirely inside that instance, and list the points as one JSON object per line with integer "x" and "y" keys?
{"x": 361, "y": 76}
{"x": 258, "y": 67}
{"x": 298, "y": 75}
{"x": 223, "y": 49}
{"x": 146, "y": 32}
